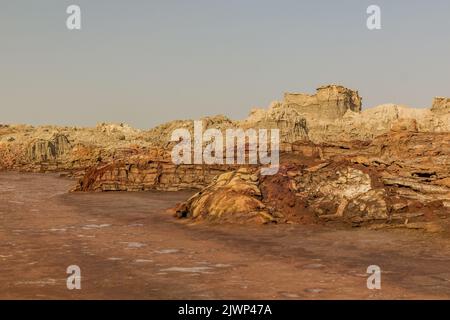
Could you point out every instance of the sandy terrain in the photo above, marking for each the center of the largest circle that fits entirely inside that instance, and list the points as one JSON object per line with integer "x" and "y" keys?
{"x": 128, "y": 248}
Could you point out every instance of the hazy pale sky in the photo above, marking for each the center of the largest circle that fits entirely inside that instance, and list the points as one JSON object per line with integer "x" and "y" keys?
{"x": 145, "y": 62}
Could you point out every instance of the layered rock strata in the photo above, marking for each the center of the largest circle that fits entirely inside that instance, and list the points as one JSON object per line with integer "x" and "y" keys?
{"x": 400, "y": 178}
{"x": 150, "y": 170}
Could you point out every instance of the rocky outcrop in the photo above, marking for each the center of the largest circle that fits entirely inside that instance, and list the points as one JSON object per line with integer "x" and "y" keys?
{"x": 294, "y": 116}
{"x": 299, "y": 112}
{"x": 330, "y": 102}
{"x": 148, "y": 170}
{"x": 65, "y": 149}
{"x": 288, "y": 120}
{"x": 372, "y": 122}
{"x": 441, "y": 105}
{"x": 399, "y": 178}
{"x": 334, "y": 112}
{"x": 232, "y": 196}
{"x": 297, "y": 194}
{"x": 48, "y": 150}
{"x": 160, "y": 136}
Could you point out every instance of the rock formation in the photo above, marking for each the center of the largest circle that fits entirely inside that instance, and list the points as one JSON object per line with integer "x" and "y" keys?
{"x": 388, "y": 165}
{"x": 329, "y": 103}
{"x": 399, "y": 179}
{"x": 48, "y": 150}
{"x": 233, "y": 196}
{"x": 65, "y": 149}
{"x": 441, "y": 105}
{"x": 335, "y": 111}
{"x": 148, "y": 170}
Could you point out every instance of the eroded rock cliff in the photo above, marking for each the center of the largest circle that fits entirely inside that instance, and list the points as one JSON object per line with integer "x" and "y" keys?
{"x": 400, "y": 179}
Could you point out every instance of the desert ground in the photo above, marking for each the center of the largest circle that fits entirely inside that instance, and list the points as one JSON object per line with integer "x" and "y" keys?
{"x": 128, "y": 247}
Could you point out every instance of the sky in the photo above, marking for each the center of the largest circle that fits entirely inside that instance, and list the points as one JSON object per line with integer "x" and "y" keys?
{"x": 145, "y": 62}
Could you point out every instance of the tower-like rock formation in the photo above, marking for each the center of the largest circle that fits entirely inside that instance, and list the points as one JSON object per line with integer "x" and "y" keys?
{"x": 329, "y": 103}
